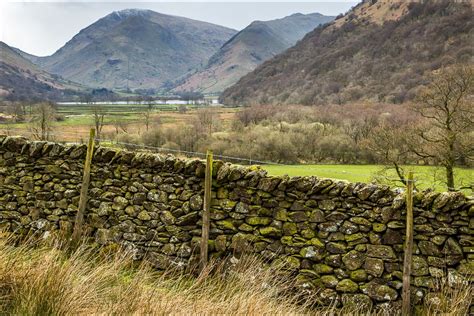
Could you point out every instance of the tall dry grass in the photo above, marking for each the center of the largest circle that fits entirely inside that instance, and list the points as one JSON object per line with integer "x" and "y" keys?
{"x": 453, "y": 297}
{"x": 37, "y": 279}
{"x": 43, "y": 279}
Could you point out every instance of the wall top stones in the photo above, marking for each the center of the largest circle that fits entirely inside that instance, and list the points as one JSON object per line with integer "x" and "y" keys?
{"x": 226, "y": 172}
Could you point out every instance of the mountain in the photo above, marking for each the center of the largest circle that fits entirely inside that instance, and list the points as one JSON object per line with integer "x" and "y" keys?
{"x": 137, "y": 49}
{"x": 259, "y": 41}
{"x": 379, "y": 51}
{"x": 21, "y": 79}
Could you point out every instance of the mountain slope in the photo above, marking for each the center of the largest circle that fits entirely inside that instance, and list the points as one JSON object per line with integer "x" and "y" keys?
{"x": 379, "y": 51}
{"x": 259, "y": 41}
{"x": 21, "y": 79}
{"x": 136, "y": 48}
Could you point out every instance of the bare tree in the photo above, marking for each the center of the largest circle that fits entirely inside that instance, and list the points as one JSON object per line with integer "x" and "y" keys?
{"x": 359, "y": 128}
{"x": 120, "y": 125}
{"x": 41, "y": 122}
{"x": 446, "y": 105}
{"x": 388, "y": 142}
{"x": 146, "y": 114}
{"x": 98, "y": 114}
{"x": 17, "y": 111}
{"x": 207, "y": 119}
{"x": 182, "y": 109}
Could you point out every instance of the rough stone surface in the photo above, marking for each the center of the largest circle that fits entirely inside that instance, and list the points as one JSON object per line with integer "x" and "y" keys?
{"x": 346, "y": 238}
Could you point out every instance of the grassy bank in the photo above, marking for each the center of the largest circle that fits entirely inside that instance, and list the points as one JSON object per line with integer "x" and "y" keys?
{"x": 39, "y": 279}
{"x": 427, "y": 176}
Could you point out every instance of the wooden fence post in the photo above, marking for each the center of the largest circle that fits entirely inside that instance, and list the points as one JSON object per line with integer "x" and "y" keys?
{"x": 206, "y": 210}
{"x": 406, "y": 307}
{"x": 77, "y": 233}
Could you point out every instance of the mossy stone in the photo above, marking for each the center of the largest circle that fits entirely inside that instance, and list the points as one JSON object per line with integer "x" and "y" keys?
{"x": 289, "y": 229}
{"x": 322, "y": 268}
{"x": 308, "y": 233}
{"x": 309, "y": 252}
{"x": 316, "y": 242}
{"x": 281, "y": 215}
{"x": 419, "y": 266}
{"x": 270, "y": 231}
{"x": 226, "y": 224}
{"x": 353, "y": 237}
{"x": 379, "y": 227}
{"x": 167, "y": 218}
{"x": 144, "y": 216}
{"x": 374, "y": 266}
{"x": 289, "y": 263}
{"x": 380, "y": 251}
{"x": 329, "y": 281}
{"x": 360, "y": 302}
{"x": 258, "y": 221}
{"x": 353, "y": 260}
{"x": 347, "y": 286}
{"x": 246, "y": 227}
{"x": 358, "y": 275}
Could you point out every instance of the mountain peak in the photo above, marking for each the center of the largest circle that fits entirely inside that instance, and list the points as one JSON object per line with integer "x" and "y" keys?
{"x": 135, "y": 48}
{"x": 125, "y": 13}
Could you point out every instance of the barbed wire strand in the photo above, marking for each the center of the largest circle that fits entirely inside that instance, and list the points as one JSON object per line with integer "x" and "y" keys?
{"x": 200, "y": 154}
{"x": 245, "y": 159}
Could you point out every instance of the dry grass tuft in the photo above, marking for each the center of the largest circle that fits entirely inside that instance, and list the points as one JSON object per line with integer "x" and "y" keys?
{"x": 38, "y": 279}
{"x": 42, "y": 279}
{"x": 453, "y": 297}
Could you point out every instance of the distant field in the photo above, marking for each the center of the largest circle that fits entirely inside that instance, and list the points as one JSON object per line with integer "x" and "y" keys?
{"x": 78, "y": 119}
{"x": 426, "y": 176}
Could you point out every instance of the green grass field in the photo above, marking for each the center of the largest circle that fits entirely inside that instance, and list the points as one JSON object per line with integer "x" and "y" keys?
{"x": 426, "y": 176}
{"x": 82, "y": 114}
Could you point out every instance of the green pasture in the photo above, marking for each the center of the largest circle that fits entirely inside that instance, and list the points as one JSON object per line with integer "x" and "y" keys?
{"x": 82, "y": 114}
{"x": 118, "y": 109}
{"x": 127, "y": 112}
{"x": 426, "y": 176}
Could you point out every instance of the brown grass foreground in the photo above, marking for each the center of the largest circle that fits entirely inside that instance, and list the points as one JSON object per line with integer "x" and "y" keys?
{"x": 39, "y": 279}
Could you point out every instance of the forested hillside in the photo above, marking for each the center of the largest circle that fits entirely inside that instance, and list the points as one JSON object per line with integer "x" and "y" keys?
{"x": 380, "y": 51}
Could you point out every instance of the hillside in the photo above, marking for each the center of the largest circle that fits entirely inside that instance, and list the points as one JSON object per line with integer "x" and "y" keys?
{"x": 379, "y": 51}
{"x": 21, "y": 79}
{"x": 259, "y": 41}
{"x": 136, "y": 49}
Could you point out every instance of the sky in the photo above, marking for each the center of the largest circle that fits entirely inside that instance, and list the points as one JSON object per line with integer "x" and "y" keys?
{"x": 41, "y": 28}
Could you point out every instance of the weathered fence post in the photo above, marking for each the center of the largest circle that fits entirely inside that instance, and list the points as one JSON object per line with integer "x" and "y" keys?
{"x": 206, "y": 210}
{"x": 406, "y": 307}
{"x": 77, "y": 233}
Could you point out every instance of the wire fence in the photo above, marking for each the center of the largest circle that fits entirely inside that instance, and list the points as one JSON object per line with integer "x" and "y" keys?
{"x": 67, "y": 137}
{"x": 70, "y": 137}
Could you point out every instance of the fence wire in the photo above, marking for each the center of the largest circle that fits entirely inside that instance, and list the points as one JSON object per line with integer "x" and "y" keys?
{"x": 83, "y": 137}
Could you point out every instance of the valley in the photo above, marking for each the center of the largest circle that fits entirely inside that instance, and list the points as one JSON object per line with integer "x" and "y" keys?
{"x": 207, "y": 158}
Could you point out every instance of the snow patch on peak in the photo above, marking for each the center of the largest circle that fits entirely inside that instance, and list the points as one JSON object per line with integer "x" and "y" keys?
{"x": 130, "y": 12}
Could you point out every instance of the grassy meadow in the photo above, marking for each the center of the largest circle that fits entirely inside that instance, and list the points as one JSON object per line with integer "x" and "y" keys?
{"x": 426, "y": 176}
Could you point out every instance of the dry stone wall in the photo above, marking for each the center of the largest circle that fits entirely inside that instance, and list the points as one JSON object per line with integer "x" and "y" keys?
{"x": 342, "y": 238}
